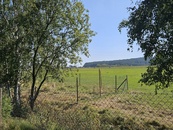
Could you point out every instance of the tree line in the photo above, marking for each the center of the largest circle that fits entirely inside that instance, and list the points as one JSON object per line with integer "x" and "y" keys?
{"x": 125, "y": 62}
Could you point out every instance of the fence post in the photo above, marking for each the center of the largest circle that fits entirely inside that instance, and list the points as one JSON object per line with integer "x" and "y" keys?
{"x": 77, "y": 89}
{"x": 115, "y": 83}
{"x": 127, "y": 82}
{"x": 1, "y": 108}
{"x": 79, "y": 79}
{"x": 100, "y": 82}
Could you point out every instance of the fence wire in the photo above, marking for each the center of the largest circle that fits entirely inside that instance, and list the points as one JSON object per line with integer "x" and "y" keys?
{"x": 121, "y": 108}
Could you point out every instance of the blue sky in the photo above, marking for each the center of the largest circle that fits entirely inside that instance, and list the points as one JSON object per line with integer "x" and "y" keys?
{"x": 109, "y": 43}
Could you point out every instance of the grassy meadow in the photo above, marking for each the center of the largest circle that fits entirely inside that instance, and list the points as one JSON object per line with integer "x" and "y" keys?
{"x": 89, "y": 78}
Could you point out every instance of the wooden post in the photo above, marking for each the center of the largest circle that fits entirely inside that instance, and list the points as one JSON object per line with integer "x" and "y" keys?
{"x": 127, "y": 82}
{"x": 1, "y": 108}
{"x": 79, "y": 79}
{"x": 100, "y": 82}
{"x": 115, "y": 83}
{"x": 77, "y": 89}
{"x": 156, "y": 88}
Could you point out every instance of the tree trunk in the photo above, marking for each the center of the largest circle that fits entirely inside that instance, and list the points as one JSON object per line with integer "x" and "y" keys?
{"x": 32, "y": 95}
{"x": 31, "y": 103}
{"x": 35, "y": 91}
{"x": 16, "y": 100}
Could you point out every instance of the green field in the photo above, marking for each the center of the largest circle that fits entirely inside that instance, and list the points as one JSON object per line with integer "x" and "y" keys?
{"x": 89, "y": 78}
{"x": 89, "y": 84}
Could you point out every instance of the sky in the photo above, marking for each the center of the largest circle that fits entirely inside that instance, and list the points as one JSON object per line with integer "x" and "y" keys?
{"x": 109, "y": 43}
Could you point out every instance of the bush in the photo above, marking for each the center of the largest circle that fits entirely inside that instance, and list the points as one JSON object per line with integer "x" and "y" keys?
{"x": 6, "y": 106}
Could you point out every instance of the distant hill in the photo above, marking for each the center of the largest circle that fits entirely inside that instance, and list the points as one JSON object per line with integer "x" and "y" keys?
{"x": 125, "y": 62}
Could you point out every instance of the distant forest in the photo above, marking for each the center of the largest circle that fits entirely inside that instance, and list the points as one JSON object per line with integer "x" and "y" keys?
{"x": 125, "y": 62}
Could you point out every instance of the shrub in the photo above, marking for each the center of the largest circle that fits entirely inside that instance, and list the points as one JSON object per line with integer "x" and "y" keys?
{"x": 6, "y": 106}
{"x": 18, "y": 124}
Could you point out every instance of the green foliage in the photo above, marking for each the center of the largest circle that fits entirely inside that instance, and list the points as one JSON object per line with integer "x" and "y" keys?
{"x": 40, "y": 38}
{"x": 18, "y": 124}
{"x": 150, "y": 25}
{"x": 6, "y": 106}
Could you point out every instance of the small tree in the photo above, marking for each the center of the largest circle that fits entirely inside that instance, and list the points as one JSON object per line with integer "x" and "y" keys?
{"x": 49, "y": 35}
{"x": 150, "y": 25}
{"x": 60, "y": 32}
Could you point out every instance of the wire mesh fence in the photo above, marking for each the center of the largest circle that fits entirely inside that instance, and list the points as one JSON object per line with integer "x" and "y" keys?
{"x": 111, "y": 104}
{"x": 102, "y": 101}
{"x": 145, "y": 110}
